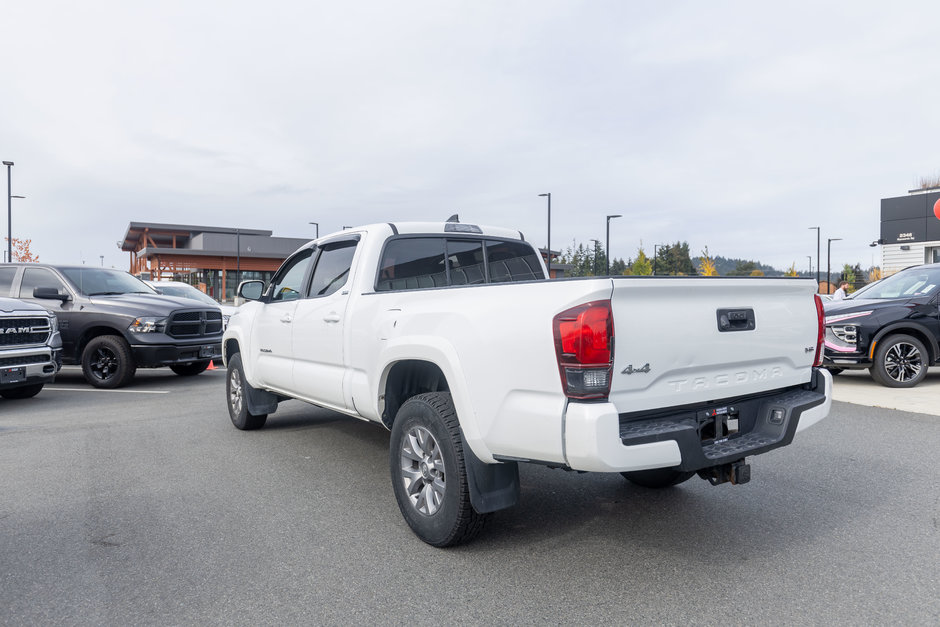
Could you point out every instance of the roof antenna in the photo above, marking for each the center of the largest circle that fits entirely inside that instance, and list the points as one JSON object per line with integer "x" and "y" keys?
{"x": 453, "y": 218}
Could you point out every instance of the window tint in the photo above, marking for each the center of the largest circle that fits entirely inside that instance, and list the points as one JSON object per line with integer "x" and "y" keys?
{"x": 512, "y": 261}
{"x": 465, "y": 260}
{"x": 287, "y": 282}
{"x": 332, "y": 268}
{"x": 412, "y": 262}
{"x": 6, "y": 280}
{"x": 39, "y": 277}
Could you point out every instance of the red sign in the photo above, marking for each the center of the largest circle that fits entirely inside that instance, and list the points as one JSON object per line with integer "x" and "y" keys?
{"x": 936, "y": 209}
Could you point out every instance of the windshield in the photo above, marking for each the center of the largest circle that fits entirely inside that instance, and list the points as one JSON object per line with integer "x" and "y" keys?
{"x": 185, "y": 291}
{"x": 905, "y": 284}
{"x": 104, "y": 282}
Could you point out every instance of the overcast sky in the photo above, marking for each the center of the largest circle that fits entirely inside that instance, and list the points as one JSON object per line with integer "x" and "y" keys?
{"x": 731, "y": 125}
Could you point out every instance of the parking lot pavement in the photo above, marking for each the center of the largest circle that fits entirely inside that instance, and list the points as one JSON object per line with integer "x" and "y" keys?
{"x": 857, "y": 386}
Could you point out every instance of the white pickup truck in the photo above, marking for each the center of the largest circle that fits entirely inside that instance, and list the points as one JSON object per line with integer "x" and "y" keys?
{"x": 450, "y": 335}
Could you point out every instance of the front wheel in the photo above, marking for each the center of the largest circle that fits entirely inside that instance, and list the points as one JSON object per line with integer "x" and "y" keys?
{"x": 190, "y": 369}
{"x": 657, "y": 477}
{"x": 236, "y": 389}
{"x": 900, "y": 362}
{"x": 24, "y": 391}
{"x": 429, "y": 477}
{"x": 107, "y": 362}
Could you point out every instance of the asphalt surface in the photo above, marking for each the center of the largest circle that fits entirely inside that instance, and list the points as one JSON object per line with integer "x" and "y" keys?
{"x": 146, "y": 507}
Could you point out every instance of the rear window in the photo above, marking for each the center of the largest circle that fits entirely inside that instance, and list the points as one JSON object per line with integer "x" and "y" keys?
{"x": 424, "y": 262}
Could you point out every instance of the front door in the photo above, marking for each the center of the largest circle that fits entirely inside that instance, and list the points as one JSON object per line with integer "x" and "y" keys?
{"x": 319, "y": 369}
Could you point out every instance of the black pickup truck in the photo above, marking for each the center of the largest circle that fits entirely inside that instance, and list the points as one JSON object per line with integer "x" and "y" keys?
{"x": 112, "y": 323}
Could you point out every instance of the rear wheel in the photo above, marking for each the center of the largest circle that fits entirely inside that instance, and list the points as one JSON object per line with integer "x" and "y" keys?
{"x": 190, "y": 369}
{"x": 24, "y": 391}
{"x": 429, "y": 477}
{"x": 107, "y": 362}
{"x": 657, "y": 477}
{"x": 236, "y": 389}
{"x": 900, "y": 362}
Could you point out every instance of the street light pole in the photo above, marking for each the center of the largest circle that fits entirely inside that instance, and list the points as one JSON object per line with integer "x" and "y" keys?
{"x": 829, "y": 261}
{"x": 548, "y": 246}
{"x": 9, "y": 165}
{"x": 817, "y": 257}
{"x": 317, "y": 225}
{"x": 607, "y": 253}
{"x": 810, "y": 257}
{"x": 655, "y": 246}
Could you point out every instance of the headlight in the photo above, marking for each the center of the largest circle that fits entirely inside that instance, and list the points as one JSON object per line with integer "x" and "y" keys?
{"x": 53, "y": 323}
{"x": 225, "y": 320}
{"x": 148, "y": 325}
{"x": 847, "y": 333}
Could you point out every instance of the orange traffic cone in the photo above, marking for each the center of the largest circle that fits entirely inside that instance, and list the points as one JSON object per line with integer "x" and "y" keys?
{"x": 211, "y": 365}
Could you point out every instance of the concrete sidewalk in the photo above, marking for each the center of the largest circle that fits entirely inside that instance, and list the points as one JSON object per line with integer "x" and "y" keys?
{"x": 857, "y": 386}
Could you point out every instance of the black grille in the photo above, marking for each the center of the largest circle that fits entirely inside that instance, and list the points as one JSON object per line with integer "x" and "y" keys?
{"x": 23, "y": 331}
{"x": 190, "y": 324}
{"x": 23, "y": 361}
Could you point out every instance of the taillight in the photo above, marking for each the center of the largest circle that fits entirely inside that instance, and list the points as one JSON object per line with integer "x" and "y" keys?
{"x": 584, "y": 346}
{"x": 821, "y": 335}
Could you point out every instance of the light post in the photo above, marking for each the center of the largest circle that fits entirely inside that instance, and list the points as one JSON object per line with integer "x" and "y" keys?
{"x": 548, "y": 246}
{"x": 607, "y": 253}
{"x": 9, "y": 165}
{"x": 597, "y": 244}
{"x": 238, "y": 260}
{"x": 317, "y": 225}
{"x": 828, "y": 261}
{"x": 817, "y": 257}
{"x": 655, "y": 256}
{"x": 810, "y": 257}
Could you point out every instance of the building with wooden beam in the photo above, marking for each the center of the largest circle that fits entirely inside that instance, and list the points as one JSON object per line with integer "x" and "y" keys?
{"x": 215, "y": 259}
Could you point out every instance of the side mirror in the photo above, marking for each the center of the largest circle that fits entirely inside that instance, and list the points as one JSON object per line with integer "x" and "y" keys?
{"x": 251, "y": 290}
{"x": 50, "y": 293}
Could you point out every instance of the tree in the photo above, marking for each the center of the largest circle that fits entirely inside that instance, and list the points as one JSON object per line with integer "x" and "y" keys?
{"x": 744, "y": 268}
{"x": 849, "y": 274}
{"x": 791, "y": 271}
{"x": 757, "y": 272}
{"x": 641, "y": 266}
{"x": 21, "y": 250}
{"x": 674, "y": 259}
{"x": 706, "y": 265}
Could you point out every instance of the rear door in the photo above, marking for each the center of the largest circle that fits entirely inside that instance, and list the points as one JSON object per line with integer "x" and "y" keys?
{"x": 684, "y": 341}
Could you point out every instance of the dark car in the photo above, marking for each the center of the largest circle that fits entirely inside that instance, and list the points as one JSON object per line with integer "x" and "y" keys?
{"x": 892, "y": 328}
{"x": 112, "y": 323}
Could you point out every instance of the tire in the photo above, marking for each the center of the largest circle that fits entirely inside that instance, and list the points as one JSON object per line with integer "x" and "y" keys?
{"x": 190, "y": 369}
{"x": 25, "y": 391}
{"x": 107, "y": 362}
{"x": 236, "y": 393}
{"x": 900, "y": 362}
{"x": 429, "y": 477}
{"x": 657, "y": 478}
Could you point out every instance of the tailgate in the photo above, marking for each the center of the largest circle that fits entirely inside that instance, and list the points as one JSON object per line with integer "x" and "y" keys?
{"x": 692, "y": 340}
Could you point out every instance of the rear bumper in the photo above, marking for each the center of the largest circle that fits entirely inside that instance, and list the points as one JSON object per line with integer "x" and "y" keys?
{"x": 597, "y": 438}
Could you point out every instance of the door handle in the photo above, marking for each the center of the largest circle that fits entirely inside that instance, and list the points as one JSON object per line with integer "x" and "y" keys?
{"x": 331, "y": 317}
{"x": 286, "y": 318}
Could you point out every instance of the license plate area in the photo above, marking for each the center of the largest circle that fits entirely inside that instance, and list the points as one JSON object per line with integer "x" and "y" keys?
{"x": 718, "y": 424}
{"x": 12, "y": 375}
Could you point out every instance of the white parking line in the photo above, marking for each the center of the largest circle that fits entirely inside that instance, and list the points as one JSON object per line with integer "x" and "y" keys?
{"x": 58, "y": 389}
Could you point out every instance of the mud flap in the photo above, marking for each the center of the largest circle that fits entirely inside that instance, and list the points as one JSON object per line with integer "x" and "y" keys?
{"x": 492, "y": 486}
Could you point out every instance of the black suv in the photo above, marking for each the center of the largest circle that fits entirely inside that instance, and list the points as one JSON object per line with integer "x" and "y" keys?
{"x": 891, "y": 327}
{"x": 112, "y": 323}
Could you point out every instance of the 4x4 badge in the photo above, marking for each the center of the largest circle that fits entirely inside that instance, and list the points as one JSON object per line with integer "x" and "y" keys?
{"x": 630, "y": 369}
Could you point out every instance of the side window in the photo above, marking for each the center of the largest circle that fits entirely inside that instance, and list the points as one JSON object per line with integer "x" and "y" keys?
{"x": 39, "y": 277}
{"x": 412, "y": 262}
{"x": 465, "y": 260}
{"x": 512, "y": 261}
{"x": 286, "y": 283}
{"x": 332, "y": 269}
{"x": 6, "y": 280}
